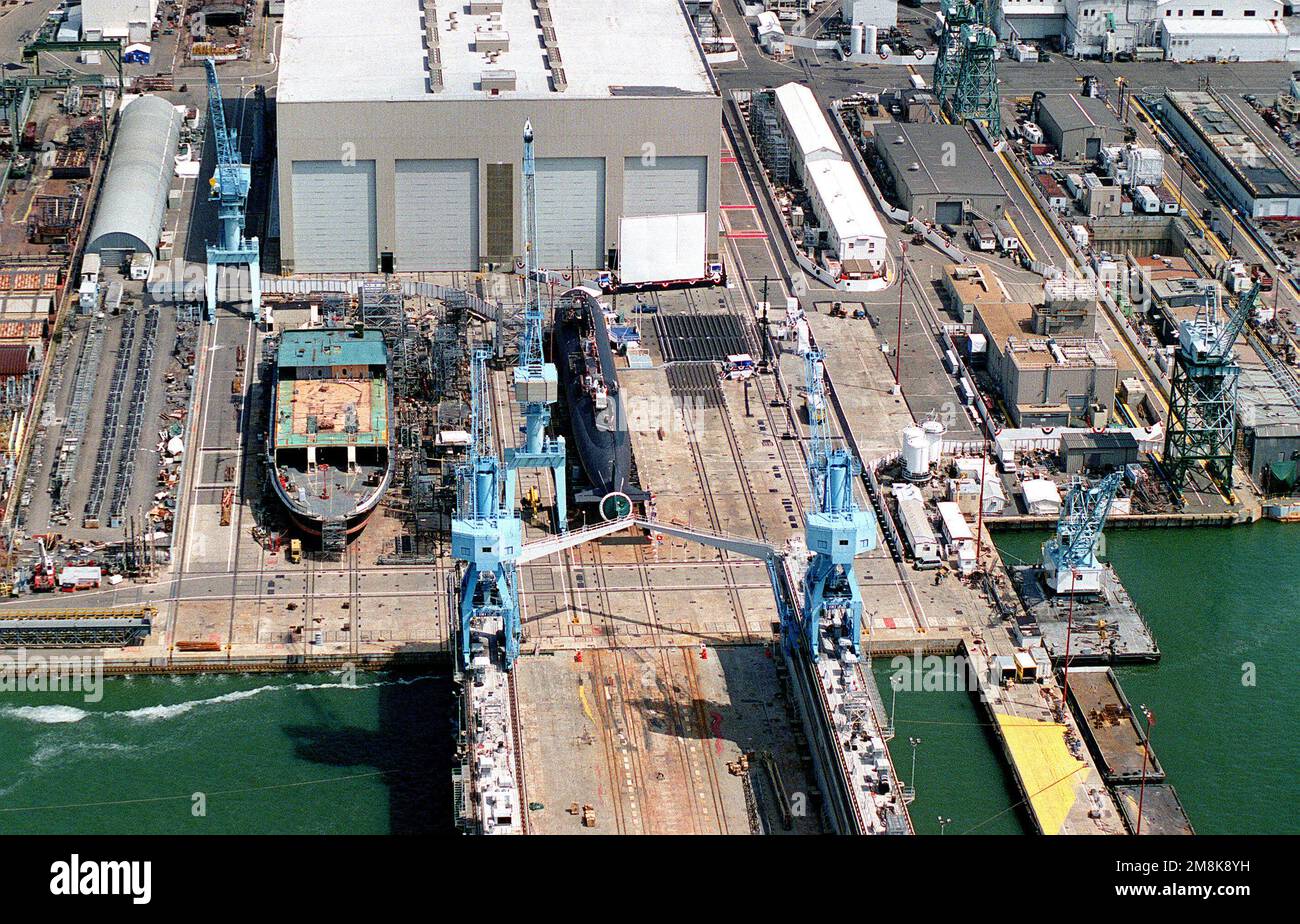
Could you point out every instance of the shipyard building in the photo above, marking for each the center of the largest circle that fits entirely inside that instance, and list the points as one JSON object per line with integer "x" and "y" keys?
{"x": 938, "y": 174}
{"x": 1253, "y": 182}
{"x": 400, "y": 132}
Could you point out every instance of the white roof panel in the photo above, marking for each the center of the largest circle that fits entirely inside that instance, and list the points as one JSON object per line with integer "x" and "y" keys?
{"x": 846, "y": 204}
{"x": 812, "y": 133}
{"x": 330, "y": 53}
{"x": 1224, "y": 28}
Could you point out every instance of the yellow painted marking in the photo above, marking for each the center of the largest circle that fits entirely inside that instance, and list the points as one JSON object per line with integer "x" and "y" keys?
{"x": 586, "y": 706}
{"x": 1045, "y": 765}
{"x": 1021, "y": 236}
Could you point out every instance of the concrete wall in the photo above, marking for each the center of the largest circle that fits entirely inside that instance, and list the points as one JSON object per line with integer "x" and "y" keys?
{"x": 491, "y": 130}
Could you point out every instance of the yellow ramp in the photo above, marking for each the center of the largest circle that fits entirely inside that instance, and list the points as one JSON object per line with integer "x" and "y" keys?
{"x": 1045, "y": 765}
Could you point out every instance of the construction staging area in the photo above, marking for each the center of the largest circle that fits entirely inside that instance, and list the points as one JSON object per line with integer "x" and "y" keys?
{"x": 423, "y": 405}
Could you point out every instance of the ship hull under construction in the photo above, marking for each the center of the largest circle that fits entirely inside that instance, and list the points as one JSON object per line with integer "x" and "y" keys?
{"x": 595, "y": 403}
{"x": 331, "y": 458}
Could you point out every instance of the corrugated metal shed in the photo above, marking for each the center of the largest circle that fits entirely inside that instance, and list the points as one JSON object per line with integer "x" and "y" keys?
{"x": 130, "y": 211}
{"x": 14, "y": 359}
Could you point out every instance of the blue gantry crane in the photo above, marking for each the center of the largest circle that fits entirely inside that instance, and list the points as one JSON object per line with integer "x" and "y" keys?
{"x": 536, "y": 381}
{"x": 836, "y": 530}
{"x": 228, "y": 187}
{"x": 1070, "y": 562}
{"x": 486, "y": 535}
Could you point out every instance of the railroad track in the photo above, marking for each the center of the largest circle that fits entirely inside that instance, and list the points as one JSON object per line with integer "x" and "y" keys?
{"x": 694, "y": 712}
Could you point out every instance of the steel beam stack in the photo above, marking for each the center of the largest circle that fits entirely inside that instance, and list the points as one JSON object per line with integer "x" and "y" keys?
{"x": 74, "y": 427}
{"x": 108, "y": 438}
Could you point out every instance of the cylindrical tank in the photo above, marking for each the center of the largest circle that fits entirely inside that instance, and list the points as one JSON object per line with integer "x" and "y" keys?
{"x": 855, "y": 39}
{"x": 934, "y": 432}
{"x": 916, "y": 454}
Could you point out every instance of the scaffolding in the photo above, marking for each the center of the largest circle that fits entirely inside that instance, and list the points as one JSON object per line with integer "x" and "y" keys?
{"x": 112, "y": 414}
{"x": 83, "y": 628}
{"x": 765, "y": 127}
{"x": 128, "y": 450}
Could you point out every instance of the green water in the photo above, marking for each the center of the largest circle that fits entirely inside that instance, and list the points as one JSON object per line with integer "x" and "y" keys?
{"x": 960, "y": 774}
{"x": 1224, "y": 605}
{"x": 294, "y": 754}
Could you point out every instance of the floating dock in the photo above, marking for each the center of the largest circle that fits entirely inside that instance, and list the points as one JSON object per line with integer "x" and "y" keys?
{"x": 1162, "y": 812}
{"x": 1112, "y": 729}
{"x": 1104, "y": 628}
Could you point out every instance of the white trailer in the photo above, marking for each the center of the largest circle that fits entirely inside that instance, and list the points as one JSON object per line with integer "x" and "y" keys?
{"x": 920, "y": 535}
{"x": 957, "y": 533}
{"x": 1008, "y": 242}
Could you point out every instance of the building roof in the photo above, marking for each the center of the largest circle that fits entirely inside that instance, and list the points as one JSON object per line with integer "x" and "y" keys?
{"x": 134, "y": 196}
{"x": 810, "y": 131}
{"x": 14, "y": 358}
{"x": 1262, "y": 178}
{"x": 1224, "y": 28}
{"x": 591, "y": 48}
{"x": 975, "y": 283}
{"x": 334, "y": 346}
{"x": 942, "y": 170}
{"x": 1082, "y": 440}
{"x": 1070, "y": 112}
{"x": 845, "y": 202}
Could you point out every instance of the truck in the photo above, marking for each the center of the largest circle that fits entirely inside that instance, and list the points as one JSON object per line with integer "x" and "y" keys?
{"x": 295, "y": 551}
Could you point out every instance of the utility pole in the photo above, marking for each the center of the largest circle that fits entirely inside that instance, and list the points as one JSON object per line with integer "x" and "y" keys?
{"x": 1146, "y": 756}
{"x": 898, "y": 345}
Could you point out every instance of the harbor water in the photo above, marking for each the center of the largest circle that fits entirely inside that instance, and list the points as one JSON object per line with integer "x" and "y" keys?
{"x": 306, "y": 753}
{"x": 960, "y": 774}
{"x": 1224, "y": 605}
{"x": 231, "y": 753}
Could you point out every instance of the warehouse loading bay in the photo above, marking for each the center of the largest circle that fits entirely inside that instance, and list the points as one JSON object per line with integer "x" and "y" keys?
{"x": 646, "y": 676}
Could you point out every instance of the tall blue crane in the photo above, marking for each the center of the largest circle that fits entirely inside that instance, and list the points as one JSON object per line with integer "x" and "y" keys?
{"x": 228, "y": 187}
{"x": 1070, "y": 562}
{"x": 836, "y": 530}
{"x": 536, "y": 381}
{"x": 486, "y": 536}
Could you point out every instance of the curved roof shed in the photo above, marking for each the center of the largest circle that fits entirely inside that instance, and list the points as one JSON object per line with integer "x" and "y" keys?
{"x": 134, "y": 197}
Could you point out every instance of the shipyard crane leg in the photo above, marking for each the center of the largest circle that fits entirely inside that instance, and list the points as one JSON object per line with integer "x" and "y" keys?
{"x": 486, "y": 536}
{"x": 836, "y": 530}
{"x": 228, "y": 187}
{"x": 536, "y": 381}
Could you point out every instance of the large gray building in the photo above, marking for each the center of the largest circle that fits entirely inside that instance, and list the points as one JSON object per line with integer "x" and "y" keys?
{"x": 400, "y": 130}
{"x": 938, "y": 172}
{"x": 1079, "y": 126}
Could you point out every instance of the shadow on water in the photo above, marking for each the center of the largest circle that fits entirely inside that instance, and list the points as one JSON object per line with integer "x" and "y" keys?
{"x": 411, "y": 745}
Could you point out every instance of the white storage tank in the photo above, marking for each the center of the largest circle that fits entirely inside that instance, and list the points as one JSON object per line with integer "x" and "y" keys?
{"x": 934, "y": 432}
{"x": 916, "y": 454}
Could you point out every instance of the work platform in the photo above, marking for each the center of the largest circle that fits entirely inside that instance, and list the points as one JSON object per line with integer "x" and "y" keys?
{"x": 1162, "y": 811}
{"x": 1112, "y": 728}
{"x": 648, "y": 739}
{"x": 1104, "y": 628}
